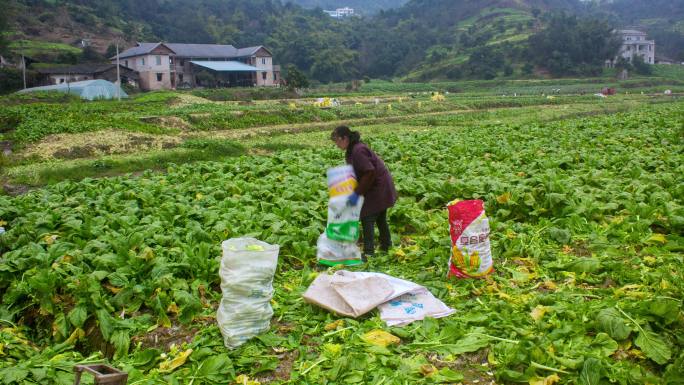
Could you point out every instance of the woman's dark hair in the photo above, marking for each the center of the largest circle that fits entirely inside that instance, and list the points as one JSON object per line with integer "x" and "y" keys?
{"x": 346, "y": 132}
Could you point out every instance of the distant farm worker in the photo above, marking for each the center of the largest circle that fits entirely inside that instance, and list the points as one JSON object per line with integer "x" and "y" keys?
{"x": 374, "y": 184}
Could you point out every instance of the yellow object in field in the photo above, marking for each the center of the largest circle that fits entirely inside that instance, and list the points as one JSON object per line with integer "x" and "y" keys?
{"x": 323, "y": 103}
{"x": 437, "y": 97}
{"x": 380, "y": 338}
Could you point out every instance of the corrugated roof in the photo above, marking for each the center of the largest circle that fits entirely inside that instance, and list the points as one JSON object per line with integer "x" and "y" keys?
{"x": 193, "y": 50}
{"x": 249, "y": 51}
{"x": 140, "y": 49}
{"x": 203, "y": 50}
{"x": 226, "y": 66}
{"x": 631, "y": 32}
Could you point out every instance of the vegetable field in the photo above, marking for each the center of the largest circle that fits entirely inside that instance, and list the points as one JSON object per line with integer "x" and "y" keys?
{"x": 587, "y": 218}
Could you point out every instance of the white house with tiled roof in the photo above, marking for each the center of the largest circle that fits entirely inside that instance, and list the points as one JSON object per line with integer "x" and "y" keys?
{"x": 171, "y": 65}
{"x": 635, "y": 43}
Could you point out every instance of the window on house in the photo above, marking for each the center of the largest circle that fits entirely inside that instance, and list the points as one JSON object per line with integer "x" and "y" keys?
{"x": 160, "y": 76}
{"x": 180, "y": 77}
{"x": 61, "y": 80}
{"x": 142, "y": 61}
{"x": 263, "y": 75}
{"x": 158, "y": 60}
{"x": 182, "y": 62}
{"x": 263, "y": 60}
{"x": 126, "y": 63}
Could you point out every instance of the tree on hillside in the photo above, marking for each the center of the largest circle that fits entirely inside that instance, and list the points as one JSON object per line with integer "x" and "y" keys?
{"x": 573, "y": 46}
{"x": 485, "y": 62}
{"x": 640, "y": 66}
{"x": 4, "y": 26}
{"x": 295, "y": 79}
{"x": 111, "y": 50}
{"x": 90, "y": 55}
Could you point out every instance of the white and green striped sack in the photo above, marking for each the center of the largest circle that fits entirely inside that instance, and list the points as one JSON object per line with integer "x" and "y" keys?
{"x": 343, "y": 219}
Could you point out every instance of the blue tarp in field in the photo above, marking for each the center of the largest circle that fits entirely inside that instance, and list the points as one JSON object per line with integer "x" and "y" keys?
{"x": 86, "y": 89}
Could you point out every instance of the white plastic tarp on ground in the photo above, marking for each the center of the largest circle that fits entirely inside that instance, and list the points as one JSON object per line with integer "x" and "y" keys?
{"x": 86, "y": 89}
{"x": 353, "y": 294}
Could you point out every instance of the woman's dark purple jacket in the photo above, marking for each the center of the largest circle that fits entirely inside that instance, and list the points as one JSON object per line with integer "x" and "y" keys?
{"x": 380, "y": 194}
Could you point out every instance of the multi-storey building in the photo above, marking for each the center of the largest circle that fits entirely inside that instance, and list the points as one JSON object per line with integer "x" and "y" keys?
{"x": 634, "y": 43}
{"x": 172, "y": 65}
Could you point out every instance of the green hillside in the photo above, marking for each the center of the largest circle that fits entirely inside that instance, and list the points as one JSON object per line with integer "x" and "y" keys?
{"x": 507, "y": 28}
{"x": 423, "y": 40}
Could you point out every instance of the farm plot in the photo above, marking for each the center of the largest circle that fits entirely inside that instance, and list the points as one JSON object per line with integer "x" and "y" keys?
{"x": 587, "y": 220}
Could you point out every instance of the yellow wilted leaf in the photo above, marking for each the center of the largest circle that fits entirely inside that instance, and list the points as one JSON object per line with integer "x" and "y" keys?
{"x": 657, "y": 238}
{"x": 649, "y": 260}
{"x": 50, "y": 239}
{"x": 332, "y": 350}
{"x": 147, "y": 254}
{"x": 550, "y": 380}
{"x": 636, "y": 353}
{"x": 504, "y": 198}
{"x": 538, "y": 312}
{"x": 664, "y": 284}
{"x": 2, "y": 223}
{"x": 75, "y": 336}
{"x": 503, "y": 295}
{"x": 170, "y": 365}
{"x": 491, "y": 359}
{"x": 292, "y": 106}
{"x": 334, "y": 325}
{"x": 111, "y": 288}
{"x": 427, "y": 370}
{"x": 567, "y": 249}
{"x": 380, "y": 338}
{"x": 173, "y": 308}
{"x": 199, "y": 196}
{"x": 626, "y": 289}
{"x": 549, "y": 285}
{"x": 244, "y": 380}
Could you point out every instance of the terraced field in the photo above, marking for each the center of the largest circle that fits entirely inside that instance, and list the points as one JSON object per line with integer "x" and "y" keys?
{"x": 584, "y": 194}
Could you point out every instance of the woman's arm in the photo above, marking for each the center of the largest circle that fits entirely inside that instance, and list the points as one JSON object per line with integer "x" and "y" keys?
{"x": 365, "y": 182}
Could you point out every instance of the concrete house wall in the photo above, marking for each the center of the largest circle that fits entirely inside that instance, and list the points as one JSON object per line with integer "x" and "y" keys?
{"x": 167, "y": 65}
{"x": 264, "y": 61}
{"x": 635, "y": 43}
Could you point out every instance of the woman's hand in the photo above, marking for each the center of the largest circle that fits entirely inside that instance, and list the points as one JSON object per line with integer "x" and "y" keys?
{"x": 353, "y": 199}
